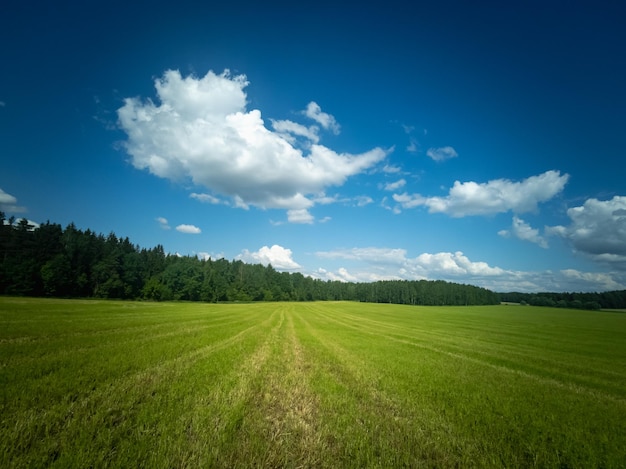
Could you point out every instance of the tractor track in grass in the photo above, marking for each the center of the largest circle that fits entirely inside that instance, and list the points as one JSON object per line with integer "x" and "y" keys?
{"x": 401, "y": 436}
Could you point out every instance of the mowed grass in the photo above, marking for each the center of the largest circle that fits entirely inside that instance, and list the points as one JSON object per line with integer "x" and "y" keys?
{"x": 123, "y": 384}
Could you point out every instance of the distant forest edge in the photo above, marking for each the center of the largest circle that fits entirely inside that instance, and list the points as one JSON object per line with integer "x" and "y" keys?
{"x": 51, "y": 261}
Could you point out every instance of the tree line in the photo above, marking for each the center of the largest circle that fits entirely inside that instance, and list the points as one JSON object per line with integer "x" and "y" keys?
{"x": 49, "y": 260}
{"x": 577, "y": 300}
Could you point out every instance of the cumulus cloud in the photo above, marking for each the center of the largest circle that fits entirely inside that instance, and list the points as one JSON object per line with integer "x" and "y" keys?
{"x": 372, "y": 264}
{"x": 496, "y": 196}
{"x": 300, "y": 215}
{"x": 281, "y": 258}
{"x": 412, "y": 146}
{"x": 423, "y": 266}
{"x": 200, "y": 130}
{"x": 363, "y": 200}
{"x": 30, "y": 224}
{"x": 314, "y": 111}
{"x": 597, "y": 281}
{"x": 188, "y": 229}
{"x": 288, "y": 130}
{"x": 368, "y": 254}
{"x": 342, "y": 275}
{"x": 163, "y": 223}
{"x": 205, "y": 256}
{"x": 522, "y": 230}
{"x": 598, "y": 229}
{"x": 394, "y": 186}
{"x": 7, "y": 199}
{"x": 441, "y": 154}
{"x": 205, "y": 198}
{"x": 391, "y": 169}
{"x": 8, "y": 203}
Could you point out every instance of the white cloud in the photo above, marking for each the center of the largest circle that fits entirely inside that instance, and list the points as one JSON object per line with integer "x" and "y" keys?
{"x": 202, "y": 131}
{"x": 8, "y": 203}
{"x": 590, "y": 281}
{"x": 163, "y": 223}
{"x": 522, "y": 230}
{"x": 598, "y": 229}
{"x": 314, "y": 111}
{"x": 31, "y": 225}
{"x": 372, "y": 264}
{"x": 300, "y": 215}
{"x": 394, "y": 186}
{"x": 441, "y": 154}
{"x": 449, "y": 264}
{"x": 323, "y": 199}
{"x": 280, "y": 257}
{"x": 189, "y": 229}
{"x": 363, "y": 200}
{"x": 391, "y": 169}
{"x": 205, "y": 198}
{"x": 370, "y": 254}
{"x": 287, "y": 129}
{"x": 496, "y": 196}
{"x": 342, "y": 275}
{"x": 205, "y": 256}
{"x": 7, "y": 199}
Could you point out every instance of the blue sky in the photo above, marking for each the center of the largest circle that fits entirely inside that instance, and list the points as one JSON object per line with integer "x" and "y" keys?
{"x": 477, "y": 144}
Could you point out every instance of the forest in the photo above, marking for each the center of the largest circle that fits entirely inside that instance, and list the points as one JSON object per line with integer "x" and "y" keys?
{"x": 49, "y": 260}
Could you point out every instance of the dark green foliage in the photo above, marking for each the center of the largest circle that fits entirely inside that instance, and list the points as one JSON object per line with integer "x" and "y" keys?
{"x": 590, "y": 301}
{"x": 52, "y": 261}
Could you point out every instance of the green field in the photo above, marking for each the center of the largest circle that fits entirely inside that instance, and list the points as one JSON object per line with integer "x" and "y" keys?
{"x": 130, "y": 384}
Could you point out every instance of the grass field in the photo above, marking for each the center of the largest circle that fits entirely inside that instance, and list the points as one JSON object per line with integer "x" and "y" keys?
{"x": 122, "y": 384}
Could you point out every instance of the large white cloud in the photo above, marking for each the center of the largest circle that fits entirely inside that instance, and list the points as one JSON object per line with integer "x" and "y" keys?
{"x": 598, "y": 229}
{"x": 281, "y": 258}
{"x": 496, "y": 196}
{"x": 201, "y": 130}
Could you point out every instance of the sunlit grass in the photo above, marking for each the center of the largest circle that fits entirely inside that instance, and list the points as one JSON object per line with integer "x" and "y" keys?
{"x": 95, "y": 383}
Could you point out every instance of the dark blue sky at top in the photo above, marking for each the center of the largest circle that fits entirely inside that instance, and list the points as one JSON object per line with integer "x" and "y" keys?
{"x": 543, "y": 63}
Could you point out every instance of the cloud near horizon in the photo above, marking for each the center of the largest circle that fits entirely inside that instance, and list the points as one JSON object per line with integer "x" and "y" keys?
{"x": 279, "y": 257}
{"x": 8, "y": 203}
{"x": 598, "y": 230}
{"x": 373, "y": 264}
{"x": 201, "y": 131}
{"x": 495, "y": 196}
